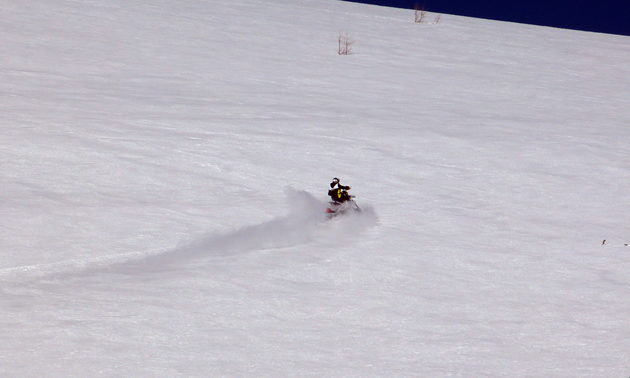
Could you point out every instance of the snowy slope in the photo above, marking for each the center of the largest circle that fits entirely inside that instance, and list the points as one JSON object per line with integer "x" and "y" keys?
{"x": 164, "y": 165}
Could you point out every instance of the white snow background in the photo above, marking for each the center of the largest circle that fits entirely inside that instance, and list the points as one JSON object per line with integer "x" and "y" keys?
{"x": 164, "y": 168}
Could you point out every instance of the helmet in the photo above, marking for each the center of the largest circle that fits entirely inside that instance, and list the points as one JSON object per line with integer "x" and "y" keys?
{"x": 334, "y": 182}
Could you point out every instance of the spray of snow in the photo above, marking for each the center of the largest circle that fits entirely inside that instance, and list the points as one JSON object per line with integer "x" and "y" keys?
{"x": 306, "y": 222}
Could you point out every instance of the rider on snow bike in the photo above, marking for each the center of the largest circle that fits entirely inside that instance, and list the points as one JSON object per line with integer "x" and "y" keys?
{"x": 341, "y": 200}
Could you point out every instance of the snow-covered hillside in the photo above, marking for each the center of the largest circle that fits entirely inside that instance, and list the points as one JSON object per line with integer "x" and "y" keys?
{"x": 164, "y": 168}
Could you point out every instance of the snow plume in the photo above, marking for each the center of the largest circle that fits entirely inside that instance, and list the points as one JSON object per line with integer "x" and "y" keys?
{"x": 306, "y": 222}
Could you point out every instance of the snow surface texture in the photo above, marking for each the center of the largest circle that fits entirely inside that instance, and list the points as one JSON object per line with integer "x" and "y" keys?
{"x": 148, "y": 228}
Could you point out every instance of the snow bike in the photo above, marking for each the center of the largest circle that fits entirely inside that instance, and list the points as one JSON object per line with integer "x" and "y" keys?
{"x": 336, "y": 208}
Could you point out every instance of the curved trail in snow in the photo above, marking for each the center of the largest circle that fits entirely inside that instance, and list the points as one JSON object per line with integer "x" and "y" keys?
{"x": 305, "y": 223}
